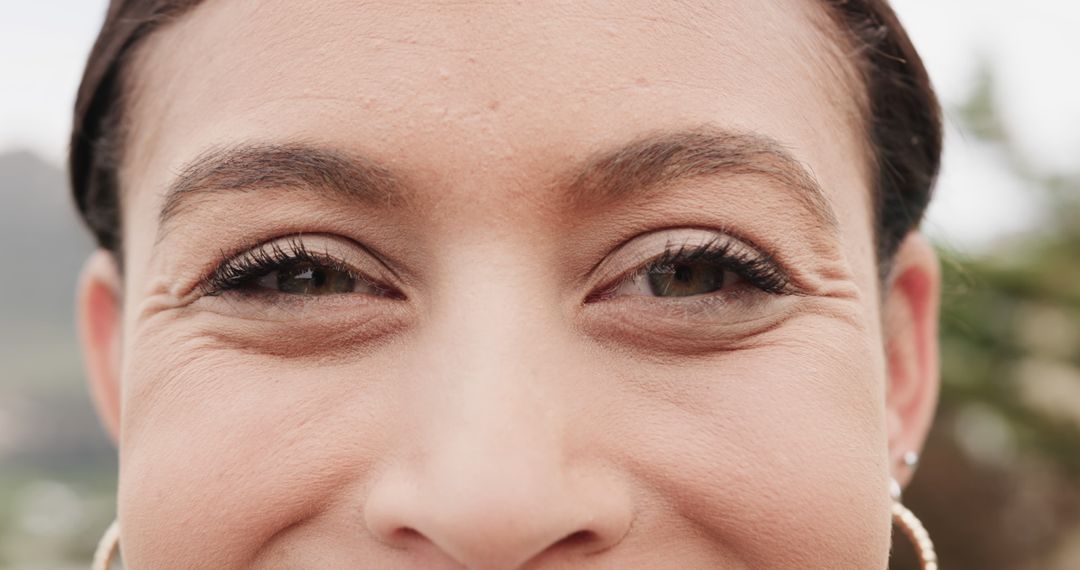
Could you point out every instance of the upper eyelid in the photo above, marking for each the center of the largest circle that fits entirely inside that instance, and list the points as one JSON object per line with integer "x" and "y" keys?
{"x": 712, "y": 236}
{"x": 713, "y": 239}
{"x": 669, "y": 254}
{"x": 717, "y": 240}
{"x": 285, "y": 248}
{"x": 375, "y": 254}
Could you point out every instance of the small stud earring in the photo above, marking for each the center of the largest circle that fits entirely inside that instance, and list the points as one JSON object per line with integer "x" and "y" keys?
{"x": 911, "y": 460}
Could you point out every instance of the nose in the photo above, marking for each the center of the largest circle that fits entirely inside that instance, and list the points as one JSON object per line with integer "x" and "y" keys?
{"x": 495, "y": 469}
{"x": 489, "y": 512}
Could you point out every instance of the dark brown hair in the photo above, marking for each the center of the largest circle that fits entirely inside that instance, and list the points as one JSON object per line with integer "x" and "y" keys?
{"x": 903, "y": 120}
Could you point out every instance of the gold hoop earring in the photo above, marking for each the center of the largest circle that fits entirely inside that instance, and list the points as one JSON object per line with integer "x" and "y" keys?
{"x": 907, "y": 521}
{"x": 913, "y": 529}
{"x": 107, "y": 547}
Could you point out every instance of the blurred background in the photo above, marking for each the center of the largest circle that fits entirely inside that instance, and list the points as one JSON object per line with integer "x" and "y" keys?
{"x": 999, "y": 484}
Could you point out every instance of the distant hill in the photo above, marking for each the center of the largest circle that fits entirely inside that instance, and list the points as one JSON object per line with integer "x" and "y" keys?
{"x": 50, "y": 438}
{"x": 43, "y": 242}
{"x": 46, "y": 419}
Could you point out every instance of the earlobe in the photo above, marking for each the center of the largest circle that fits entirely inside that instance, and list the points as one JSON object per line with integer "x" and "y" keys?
{"x": 98, "y": 307}
{"x": 910, "y": 317}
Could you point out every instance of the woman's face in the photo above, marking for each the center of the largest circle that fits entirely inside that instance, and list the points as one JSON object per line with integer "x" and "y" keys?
{"x": 512, "y": 285}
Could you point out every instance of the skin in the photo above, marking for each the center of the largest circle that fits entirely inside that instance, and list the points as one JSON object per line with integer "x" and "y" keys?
{"x": 496, "y": 414}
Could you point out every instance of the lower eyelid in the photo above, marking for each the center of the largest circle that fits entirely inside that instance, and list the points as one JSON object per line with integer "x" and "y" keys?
{"x": 704, "y": 325}
{"x": 270, "y": 306}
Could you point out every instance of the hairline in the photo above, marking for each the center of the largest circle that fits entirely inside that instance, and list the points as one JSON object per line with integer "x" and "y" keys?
{"x": 840, "y": 45}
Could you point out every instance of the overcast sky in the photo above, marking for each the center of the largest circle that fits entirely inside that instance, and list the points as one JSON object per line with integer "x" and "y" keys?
{"x": 1031, "y": 45}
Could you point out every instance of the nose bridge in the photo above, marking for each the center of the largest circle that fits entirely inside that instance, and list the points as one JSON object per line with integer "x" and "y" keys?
{"x": 495, "y": 329}
{"x": 488, "y": 481}
{"x": 494, "y": 339}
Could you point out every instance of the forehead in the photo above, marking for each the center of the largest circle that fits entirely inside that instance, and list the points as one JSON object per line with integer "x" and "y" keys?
{"x": 450, "y": 91}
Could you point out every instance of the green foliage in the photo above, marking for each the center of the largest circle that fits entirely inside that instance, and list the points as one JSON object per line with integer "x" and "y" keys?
{"x": 1000, "y": 486}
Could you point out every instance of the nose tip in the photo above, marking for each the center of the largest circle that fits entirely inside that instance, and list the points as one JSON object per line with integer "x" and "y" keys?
{"x": 494, "y": 466}
{"x": 498, "y": 525}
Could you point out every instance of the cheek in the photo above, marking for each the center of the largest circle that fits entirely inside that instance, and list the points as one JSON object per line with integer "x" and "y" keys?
{"x": 773, "y": 453}
{"x": 231, "y": 449}
{"x": 776, "y": 452}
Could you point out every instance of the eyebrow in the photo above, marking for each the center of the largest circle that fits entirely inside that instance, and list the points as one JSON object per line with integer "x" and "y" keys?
{"x": 652, "y": 162}
{"x": 252, "y": 167}
{"x": 644, "y": 166}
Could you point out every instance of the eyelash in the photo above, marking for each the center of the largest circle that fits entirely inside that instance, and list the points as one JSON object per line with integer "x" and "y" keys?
{"x": 757, "y": 269}
{"x": 237, "y": 273}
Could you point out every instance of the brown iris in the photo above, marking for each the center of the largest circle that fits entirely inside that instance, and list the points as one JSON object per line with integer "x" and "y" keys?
{"x": 311, "y": 279}
{"x": 685, "y": 279}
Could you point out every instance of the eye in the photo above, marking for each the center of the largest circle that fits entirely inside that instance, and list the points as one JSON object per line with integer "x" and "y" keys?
{"x": 307, "y": 278}
{"x": 719, "y": 265}
{"x": 290, "y": 268}
{"x": 679, "y": 279}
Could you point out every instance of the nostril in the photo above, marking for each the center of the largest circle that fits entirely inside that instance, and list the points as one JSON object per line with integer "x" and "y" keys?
{"x": 404, "y": 536}
{"x": 580, "y": 540}
{"x": 579, "y": 537}
{"x": 490, "y": 521}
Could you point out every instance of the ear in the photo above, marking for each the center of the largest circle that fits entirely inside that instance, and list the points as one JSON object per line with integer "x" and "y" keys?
{"x": 98, "y": 307}
{"x": 910, "y": 320}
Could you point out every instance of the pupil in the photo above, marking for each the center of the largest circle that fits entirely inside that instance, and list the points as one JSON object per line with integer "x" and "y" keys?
{"x": 307, "y": 279}
{"x": 686, "y": 279}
